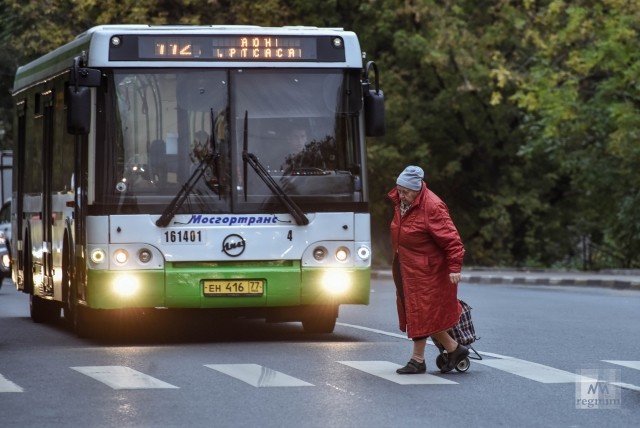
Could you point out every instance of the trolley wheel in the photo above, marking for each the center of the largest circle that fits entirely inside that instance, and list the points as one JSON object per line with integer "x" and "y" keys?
{"x": 440, "y": 361}
{"x": 463, "y": 365}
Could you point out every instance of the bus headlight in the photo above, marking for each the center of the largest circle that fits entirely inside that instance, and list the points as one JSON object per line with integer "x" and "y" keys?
{"x": 126, "y": 285}
{"x": 97, "y": 256}
{"x": 342, "y": 254}
{"x": 144, "y": 255}
{"x": 364, "y": 253}
{"x": 319, "y": 253}
{"x": 121, "y": 256}
{"x": 336, "y": 282}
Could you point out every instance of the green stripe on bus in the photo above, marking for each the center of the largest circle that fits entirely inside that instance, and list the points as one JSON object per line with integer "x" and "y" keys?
{"x": 70, "y": 54}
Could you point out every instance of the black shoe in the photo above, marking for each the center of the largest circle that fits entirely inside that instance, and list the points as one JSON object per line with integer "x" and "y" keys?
{"x": 413, "y": 367}
{"x": 452, "y": 359}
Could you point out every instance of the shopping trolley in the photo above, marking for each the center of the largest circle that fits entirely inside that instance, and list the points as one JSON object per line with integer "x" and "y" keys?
{"x": 465, "y": 334}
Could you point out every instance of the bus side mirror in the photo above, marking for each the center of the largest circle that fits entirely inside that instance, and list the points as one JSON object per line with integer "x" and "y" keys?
{"x": 79, "y": 97}
{"x": 373, "y": 104}
{"x": 79, "y": 110}
{"x": 89, "y": 77}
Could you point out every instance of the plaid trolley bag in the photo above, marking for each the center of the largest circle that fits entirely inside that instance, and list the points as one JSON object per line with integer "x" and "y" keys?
{"x": 465, "y": 334}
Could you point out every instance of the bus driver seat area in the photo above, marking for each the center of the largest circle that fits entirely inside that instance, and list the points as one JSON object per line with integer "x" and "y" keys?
{"x": 158, "y": 162}
{"x": 305, "y": 155}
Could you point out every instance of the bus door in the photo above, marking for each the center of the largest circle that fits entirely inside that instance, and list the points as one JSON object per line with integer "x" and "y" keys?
{"x": 80, "y": 101}
{"x": 48, "y": 123}
{"x": 79, "y": 189}
{"x": 17, "y": 204}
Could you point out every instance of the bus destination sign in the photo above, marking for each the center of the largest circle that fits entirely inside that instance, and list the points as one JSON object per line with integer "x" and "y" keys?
{"x": 226, "y": 48}
{"x": 232, "y": 48}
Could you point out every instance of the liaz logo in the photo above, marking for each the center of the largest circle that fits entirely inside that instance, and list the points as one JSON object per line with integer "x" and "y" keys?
{"x": 233, "y": 245}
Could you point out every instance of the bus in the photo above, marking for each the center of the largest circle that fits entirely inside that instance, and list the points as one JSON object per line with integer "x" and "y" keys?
{"x": 155, "y": 169}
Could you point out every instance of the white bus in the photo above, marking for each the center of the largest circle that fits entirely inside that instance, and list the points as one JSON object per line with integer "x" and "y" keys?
{"x": 213, "y": 167}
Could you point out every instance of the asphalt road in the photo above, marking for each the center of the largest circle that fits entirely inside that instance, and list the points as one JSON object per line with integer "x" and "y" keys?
{"x": 536, "y": 342}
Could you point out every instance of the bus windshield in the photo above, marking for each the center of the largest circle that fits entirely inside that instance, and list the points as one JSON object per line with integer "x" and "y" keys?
{"x": 161, "y": 126}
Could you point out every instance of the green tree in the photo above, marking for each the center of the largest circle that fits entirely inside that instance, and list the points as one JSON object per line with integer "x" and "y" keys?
{"x": 581, "y": 97}
{"x": 524, "y": 117}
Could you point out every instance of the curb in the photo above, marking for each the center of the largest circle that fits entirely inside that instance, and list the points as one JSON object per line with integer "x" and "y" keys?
{"x": 632, "y": 282}
{"x": 562, "y": 281}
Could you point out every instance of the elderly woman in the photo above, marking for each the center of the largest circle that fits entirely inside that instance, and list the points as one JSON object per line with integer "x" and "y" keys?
{"x": 427, "y": 260}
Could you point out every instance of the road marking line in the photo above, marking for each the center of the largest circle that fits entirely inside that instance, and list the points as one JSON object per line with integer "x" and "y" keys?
{"x": 387, "y": 370}
{"x": 402, "y": 336}
{"x": 386, "y": 333}
{"x": 120, "y": 377}
{"x": 257, "y": 375}
{"x": 534, "y": 371}
{"x": 625, "y": 385}
{"x": 629, "y": 364}
{"x": 7, "y": 386}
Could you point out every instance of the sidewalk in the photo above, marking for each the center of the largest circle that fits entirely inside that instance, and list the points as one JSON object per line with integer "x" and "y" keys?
{"x": 610, "y": 279}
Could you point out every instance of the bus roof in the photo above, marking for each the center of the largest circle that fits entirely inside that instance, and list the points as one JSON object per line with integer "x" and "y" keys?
{"x": 95, "y": 42}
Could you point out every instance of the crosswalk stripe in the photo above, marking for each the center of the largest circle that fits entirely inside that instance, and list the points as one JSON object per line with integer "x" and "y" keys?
{"x": 257, "y": 375}
{"x": 629, "y": 364}
{"x": 387, "y": 370}
{"x": 120, "y": 377}
{"x": 7, "y": 386}
{"x": 626, "y": 386}
{"x": 374, "y": 330}
{"x": 534, "y": 371}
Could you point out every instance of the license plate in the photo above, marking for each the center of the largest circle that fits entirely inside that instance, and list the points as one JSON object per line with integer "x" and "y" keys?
{"x": 233, "y": 288}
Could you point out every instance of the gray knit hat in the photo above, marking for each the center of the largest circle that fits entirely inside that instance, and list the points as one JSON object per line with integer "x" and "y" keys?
{"x": 411, "y": 178}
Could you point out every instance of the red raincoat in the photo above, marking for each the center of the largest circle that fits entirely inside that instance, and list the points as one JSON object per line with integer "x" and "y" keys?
{"x": 426, "y": 248}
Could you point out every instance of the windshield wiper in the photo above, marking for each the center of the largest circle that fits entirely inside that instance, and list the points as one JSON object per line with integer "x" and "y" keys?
{"x": 177, "y": 202}
{"x": 216, "y": 160}
{"x": 251, "y": 159}
{"x": 212, "y": 158}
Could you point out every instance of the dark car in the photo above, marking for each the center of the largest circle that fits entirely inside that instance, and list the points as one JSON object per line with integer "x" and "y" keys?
{"x": 5, "y": 263}
{"x": 5, "y": 221}
{"x": 5, "y": 237}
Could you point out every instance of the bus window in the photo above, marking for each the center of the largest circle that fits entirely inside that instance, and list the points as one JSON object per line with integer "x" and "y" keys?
{"x": 169, "y": 122}
{"x": 300, "y": 128}
{"x": 302, "y": 125}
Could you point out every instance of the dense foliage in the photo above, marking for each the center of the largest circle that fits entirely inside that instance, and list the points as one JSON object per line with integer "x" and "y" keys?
{"x": 524, "y": 114}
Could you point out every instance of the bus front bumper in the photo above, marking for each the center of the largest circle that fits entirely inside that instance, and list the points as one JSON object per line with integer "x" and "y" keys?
{"x": 191, "y": 287}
